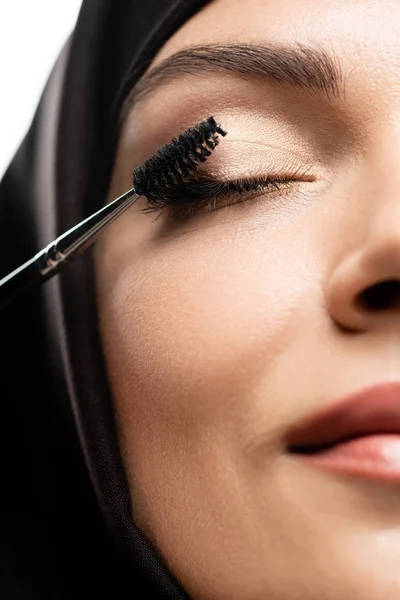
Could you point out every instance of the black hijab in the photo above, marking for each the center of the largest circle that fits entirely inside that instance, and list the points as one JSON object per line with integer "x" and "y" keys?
{"x": 65, "y": 525}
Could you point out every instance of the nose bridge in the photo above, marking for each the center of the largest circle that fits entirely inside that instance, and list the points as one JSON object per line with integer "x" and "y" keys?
{"x": 381, "y": 190}
{"x": 364, "y": 288}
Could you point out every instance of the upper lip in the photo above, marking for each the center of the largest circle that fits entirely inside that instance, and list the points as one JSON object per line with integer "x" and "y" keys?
{"x": 372, "y": 410}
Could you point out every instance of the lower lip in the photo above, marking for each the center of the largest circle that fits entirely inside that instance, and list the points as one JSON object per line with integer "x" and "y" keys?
{"x": 372, "y": 456}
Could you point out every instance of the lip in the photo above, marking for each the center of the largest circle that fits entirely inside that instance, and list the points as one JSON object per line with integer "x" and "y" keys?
{"x": 358, "y": 434}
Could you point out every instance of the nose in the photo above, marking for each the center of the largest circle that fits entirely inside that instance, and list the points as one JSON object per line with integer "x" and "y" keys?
{"x": 364, "y": 289}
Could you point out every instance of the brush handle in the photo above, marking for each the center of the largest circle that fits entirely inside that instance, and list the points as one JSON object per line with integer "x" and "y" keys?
{"x": 66, "y": 247}
{"x": 20, "y": 280}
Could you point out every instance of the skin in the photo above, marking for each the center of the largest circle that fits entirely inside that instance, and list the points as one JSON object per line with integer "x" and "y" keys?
{"x": 223, "y": 331}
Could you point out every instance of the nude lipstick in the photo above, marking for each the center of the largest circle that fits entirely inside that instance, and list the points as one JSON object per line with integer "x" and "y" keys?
{"x": 358, "y": 435}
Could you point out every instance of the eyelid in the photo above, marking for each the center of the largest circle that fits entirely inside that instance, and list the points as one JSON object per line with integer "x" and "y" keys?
{"x": 303, "y": 172}
{"x": 223, "y": 167}
{"x": 202, "y": 190}
{"x": 266, "y": 147}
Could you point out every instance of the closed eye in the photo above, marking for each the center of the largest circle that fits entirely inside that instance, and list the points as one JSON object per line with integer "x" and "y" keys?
{"x": 206, "y": 193}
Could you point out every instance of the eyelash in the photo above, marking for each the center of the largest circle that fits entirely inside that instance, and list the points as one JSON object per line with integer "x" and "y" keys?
{"x": 207, "y": 193}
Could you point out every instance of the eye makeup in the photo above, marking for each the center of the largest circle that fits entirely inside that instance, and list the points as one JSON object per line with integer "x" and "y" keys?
{"x": 204, "y": 192}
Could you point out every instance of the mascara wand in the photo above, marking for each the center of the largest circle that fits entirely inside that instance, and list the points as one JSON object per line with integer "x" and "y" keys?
{"x": 164, "y": 171}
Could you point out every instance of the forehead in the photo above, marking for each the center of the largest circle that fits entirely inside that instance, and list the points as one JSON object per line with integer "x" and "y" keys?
{"x": 364, "y": 34}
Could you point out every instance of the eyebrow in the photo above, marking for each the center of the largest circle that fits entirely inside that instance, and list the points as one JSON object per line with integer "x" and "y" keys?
{"x": 310, "y": 68}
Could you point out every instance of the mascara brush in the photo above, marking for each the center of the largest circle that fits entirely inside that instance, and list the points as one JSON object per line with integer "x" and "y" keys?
{"x": 164, "y": 171}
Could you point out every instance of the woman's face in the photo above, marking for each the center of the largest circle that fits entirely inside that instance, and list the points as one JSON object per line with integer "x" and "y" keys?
{"x": 223, "y": 330}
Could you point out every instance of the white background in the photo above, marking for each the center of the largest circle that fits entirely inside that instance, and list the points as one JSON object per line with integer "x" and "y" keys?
{"x": 32, "y": 32}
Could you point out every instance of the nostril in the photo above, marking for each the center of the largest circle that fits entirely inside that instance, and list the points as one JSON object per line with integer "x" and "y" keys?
{"x": 380, "y": 296}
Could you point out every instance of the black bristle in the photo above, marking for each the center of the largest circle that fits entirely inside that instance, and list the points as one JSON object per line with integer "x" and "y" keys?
{"x": 173, "y": 163}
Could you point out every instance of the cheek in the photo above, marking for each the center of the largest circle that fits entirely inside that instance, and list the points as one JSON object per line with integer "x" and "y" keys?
{"x": 192, "y": 328}
{"x": 202, "y": 338}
